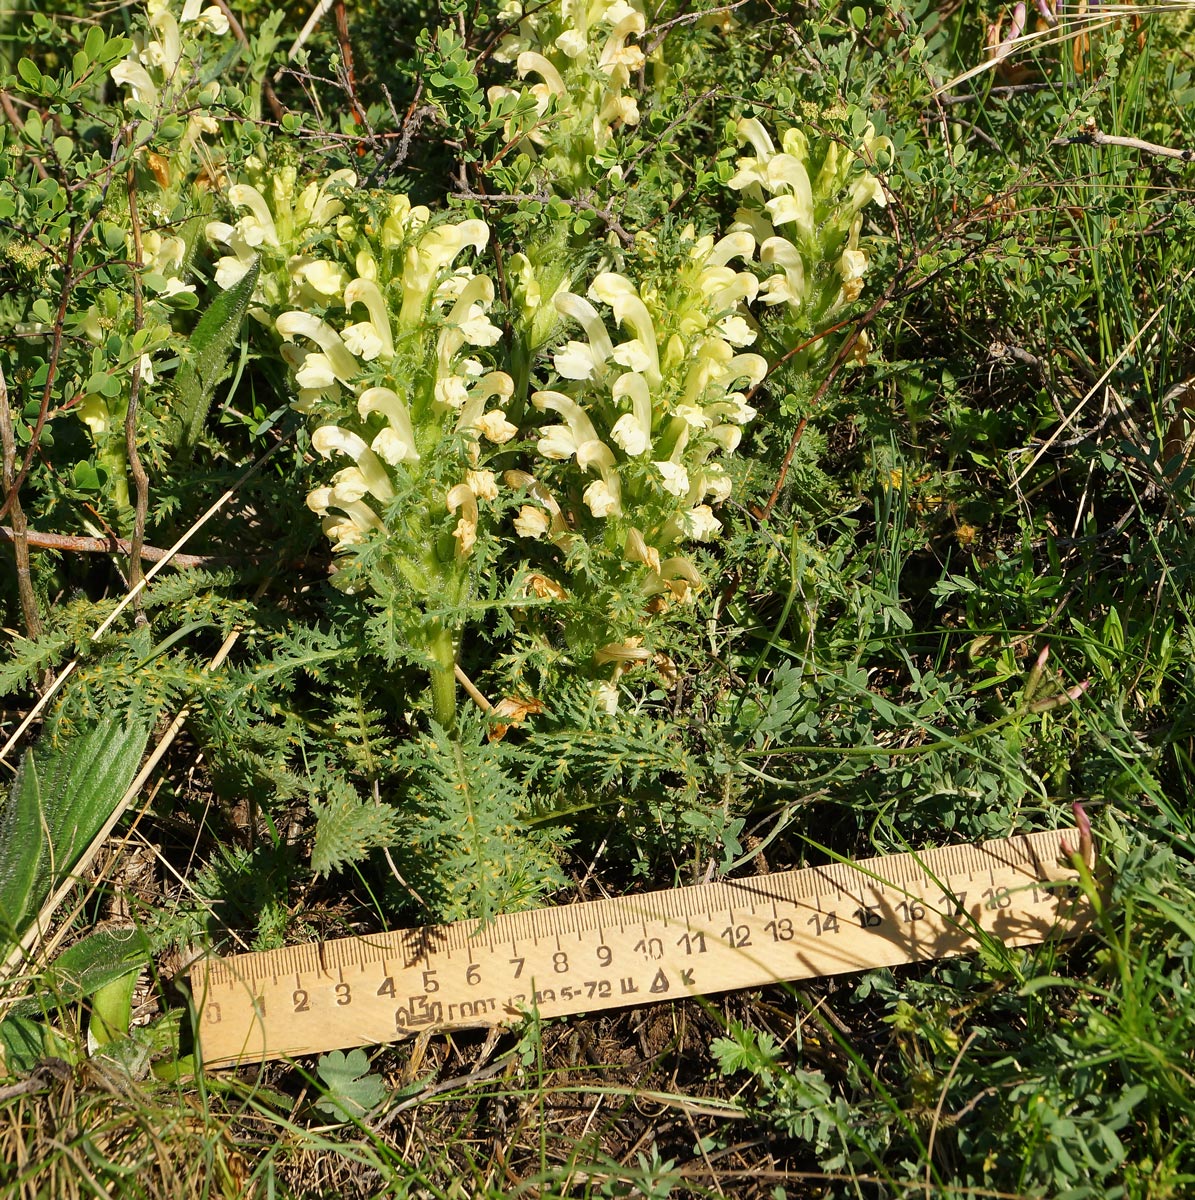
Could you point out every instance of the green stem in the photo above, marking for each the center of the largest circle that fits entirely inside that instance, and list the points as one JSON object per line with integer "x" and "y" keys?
{"x": 443, "y": 671}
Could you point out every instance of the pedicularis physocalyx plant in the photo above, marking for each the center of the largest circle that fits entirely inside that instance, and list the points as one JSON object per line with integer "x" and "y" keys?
{"x": 612, "y": 451}
{"x": 383, "y": 325}
{"x": 582, "y": 55}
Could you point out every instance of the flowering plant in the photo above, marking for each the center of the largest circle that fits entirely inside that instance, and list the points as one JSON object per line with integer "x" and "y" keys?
{"x": 581, "y": 53}
{"x": 631, "y": 469}
{"x": 804, "y": 205}
{"x": 168, "y": 71}
{"x": 381, "y": 327}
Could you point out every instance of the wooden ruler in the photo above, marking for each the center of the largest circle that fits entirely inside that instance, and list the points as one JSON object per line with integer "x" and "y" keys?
{"x": 690, "y": 941}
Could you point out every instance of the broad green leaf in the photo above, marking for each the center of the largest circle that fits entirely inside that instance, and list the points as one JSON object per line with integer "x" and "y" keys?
{"x": 27, "y": 70}
{"x": 59, "y": 800}
{"x": 210, "y": 344}
{"x": 89, "y": 965}
{"x": 24, "y": 1043}
{"x": 94, "y": 43}
{"x": 21, "y": 835}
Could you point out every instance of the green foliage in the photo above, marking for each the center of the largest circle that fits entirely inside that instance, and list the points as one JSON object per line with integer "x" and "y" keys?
{"x": 462, "y": 806}
{"x": 347, "y": 828}
{"x": 958, "y": 434}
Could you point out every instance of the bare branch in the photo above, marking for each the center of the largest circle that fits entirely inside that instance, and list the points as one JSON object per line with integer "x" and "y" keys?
{"x": 1097, "y": 137}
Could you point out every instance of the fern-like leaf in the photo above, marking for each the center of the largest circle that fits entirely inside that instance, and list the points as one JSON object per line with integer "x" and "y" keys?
{"x": 347, "y": 828}
{"x": 467, "y": 843}
{"x": 29, "y": 657}
{"x": 207, "y": 364}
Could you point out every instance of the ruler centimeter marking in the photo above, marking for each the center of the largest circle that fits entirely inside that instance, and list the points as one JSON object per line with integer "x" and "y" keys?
{"x": 637, "y": 949}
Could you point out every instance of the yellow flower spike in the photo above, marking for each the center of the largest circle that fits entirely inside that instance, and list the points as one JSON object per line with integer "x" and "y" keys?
{"x": 532, "y": 522}
{"x": 367, "y": 292}
{"x": 558, "y": 526}
{"x": 852, "y": 266}
{"x": 495, "y": 383}
{"x": 425, "y": 261}
{"x": 461, "y": 497}
{"x": 788, "y": 287}
{"x": 616, "y": 53}
{"x": 93, "y": 412}
{"x": 133, "y": 75}
{"x": 258, "y": 228}
{"x": 609, "y": 497}
{"x": 673, "y": 478}
{"x": 600, "y": 348}
{"x": 602, "y": 502}
{"x": 331, "y": 439}
{"x": 682, "y": 578}
{"x": 726, "y": 288}
{"x": 699, "y": 523}
{"x": 708, "y": 366}
{"x": 750, "y": 129}
{"x": 396, "y": 443}
{"x": 348, "y": 486}
{"x": 301, "y": 324}
{"x": 557, "y": 443}
{"x": 325, "y": 277}
{"x": 632, "y": 431}
{"x": 578, "y": 421}
{"x": 553, "y": 84}
{"x": 358, "y": 522}
{"x": 165, "y": 51}
{"x": 751, "y": 367}
{"x": 641, "y": 354}
{"x": 636, "y": 549}
{"x": 628, "y": 651}
{"x": 467, "y": 322}
{"x": 483, "y": 484}
{"x": 727, "y": 436}
{"x": 494, "y": 427}
{"x": 795, "y": 144}
{"x": 316, "y": 206}
{"x": 739, "y": 244}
